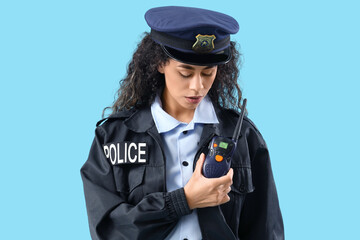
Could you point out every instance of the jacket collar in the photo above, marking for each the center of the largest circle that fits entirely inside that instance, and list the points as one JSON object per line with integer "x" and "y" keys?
{"x": 140, "y": 121}
{"x": 228, "y": 119}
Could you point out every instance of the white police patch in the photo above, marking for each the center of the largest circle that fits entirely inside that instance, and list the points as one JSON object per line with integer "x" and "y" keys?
{"x": 126, "y": 153}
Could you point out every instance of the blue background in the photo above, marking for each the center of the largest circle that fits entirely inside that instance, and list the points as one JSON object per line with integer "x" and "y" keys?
{"x": 60, "y": 64}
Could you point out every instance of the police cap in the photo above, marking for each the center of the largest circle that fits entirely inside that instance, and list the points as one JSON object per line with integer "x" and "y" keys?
{"x": 192, "y": 35}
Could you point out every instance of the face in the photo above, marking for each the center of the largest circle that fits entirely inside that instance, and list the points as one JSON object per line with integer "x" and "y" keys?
{"x": 185, "y": 85}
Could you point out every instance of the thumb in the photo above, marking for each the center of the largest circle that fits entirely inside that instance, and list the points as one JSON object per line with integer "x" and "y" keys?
{"x": 200, "y": 163}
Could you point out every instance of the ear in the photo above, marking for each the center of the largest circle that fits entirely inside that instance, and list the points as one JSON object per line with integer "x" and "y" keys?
{"x": 160, "y": 68}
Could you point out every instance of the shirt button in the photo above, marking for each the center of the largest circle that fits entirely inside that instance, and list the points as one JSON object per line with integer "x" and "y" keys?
{"x": 185, "y": 163}
{"x": 185, "y": 132}
{"x": 185, "y": 239}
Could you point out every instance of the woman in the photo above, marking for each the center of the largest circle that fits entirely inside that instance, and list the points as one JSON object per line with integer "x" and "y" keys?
{"x": 143, "y": 178}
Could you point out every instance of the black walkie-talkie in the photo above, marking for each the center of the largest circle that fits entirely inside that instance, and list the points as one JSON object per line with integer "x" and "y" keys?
{"x": 221, "y": 149}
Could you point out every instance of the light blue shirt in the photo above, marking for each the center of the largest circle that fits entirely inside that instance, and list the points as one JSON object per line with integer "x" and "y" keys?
{"x": 180, "y": 145}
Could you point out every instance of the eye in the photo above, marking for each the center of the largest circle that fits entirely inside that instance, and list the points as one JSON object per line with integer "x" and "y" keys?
{"x": 207, "y": 74}
{"x": 185, "y": 75}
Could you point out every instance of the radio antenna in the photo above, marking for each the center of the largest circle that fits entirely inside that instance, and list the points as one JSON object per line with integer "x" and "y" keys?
{"x": 239, "y": 122}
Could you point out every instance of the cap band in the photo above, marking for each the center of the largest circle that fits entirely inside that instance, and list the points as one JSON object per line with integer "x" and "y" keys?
{"x": 185, "y": 45}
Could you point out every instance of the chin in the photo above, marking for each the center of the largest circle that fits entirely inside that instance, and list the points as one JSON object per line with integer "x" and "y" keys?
{"x": 190, "y": 106}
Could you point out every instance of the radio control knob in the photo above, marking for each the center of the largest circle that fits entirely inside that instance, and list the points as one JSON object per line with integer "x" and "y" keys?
{"x": 219, "y": 158}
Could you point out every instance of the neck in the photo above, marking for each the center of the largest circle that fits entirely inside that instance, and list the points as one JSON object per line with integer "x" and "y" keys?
{"x": 175, "y": 110}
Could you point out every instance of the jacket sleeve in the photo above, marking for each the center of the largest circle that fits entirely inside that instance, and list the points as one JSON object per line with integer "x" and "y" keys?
{"x": 112, "y": 217}
{"x": 261, "y": 217}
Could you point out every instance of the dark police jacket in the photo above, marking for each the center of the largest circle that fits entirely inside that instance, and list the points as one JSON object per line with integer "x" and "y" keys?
{"x": 130, "y": 200}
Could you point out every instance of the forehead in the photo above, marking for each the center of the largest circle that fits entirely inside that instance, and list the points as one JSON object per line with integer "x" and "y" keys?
{"x": 178, "y": 64}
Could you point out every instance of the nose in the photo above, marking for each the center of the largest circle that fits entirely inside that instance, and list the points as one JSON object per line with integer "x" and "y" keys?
{"x": 196, "y": 83}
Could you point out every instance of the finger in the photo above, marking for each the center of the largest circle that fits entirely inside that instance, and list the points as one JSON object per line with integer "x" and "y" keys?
{"x": 224, "y": 180}
{"x": 226, "y": 189}
{"x": 227, "y": 186}
{"x": 230, "y": 173}
{"x": 200, "y": 163}
{"x": 225, "y": 199}
{"x": 223, "y": 191}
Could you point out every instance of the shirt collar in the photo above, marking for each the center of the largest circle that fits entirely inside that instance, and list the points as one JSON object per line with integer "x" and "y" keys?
{"x": 204, "y": 113}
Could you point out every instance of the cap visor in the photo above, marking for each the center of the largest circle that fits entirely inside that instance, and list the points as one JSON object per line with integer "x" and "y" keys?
{"x": 199, "y": 59}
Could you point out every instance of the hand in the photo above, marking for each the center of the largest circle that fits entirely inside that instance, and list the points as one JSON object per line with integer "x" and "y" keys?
{"x": 207, "y": 192}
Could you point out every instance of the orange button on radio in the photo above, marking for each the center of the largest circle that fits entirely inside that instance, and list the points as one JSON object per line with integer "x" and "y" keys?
{"x": 215, "y": 145}
{"x": 218, "y": 158}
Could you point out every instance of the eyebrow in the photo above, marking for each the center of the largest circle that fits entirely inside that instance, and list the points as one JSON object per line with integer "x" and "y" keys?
{"x": 192, "y": 68}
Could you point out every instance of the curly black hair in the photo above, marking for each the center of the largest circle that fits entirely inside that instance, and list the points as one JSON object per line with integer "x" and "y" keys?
{"x": 143, "y": 80}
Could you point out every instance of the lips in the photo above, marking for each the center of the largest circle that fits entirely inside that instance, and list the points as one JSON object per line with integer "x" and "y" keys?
{"x": 194, "y": 99}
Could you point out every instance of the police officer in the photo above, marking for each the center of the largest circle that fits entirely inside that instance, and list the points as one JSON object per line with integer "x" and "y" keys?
{"x": 143, "y": 178}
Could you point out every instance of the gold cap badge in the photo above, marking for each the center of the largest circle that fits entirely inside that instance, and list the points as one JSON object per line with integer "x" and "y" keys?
{"x": 204, "y": 43}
